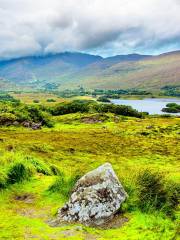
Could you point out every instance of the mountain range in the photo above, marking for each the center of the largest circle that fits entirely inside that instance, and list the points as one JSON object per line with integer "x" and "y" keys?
{"x": 70, "y": 70}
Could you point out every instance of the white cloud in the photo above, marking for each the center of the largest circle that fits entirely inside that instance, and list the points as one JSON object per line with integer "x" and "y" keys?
{"x": 30, "y": 27}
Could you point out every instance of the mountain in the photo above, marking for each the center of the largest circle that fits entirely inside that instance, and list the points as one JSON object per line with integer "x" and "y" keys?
{"x": 150, "y": 73}
{"x": 29, "y": 69}
{"x": 70, "y": 70}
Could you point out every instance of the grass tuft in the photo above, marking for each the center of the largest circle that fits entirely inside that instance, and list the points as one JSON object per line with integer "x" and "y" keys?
{"x": 152, "y": 194}
{"x": 55, "y": 170}
{"x": 64, "y": 185}
{"x": 18, "y": 172}
{"x": 40, "y": 166}
{"x": 3, "y": 179}
{"x": 155, "y": 193}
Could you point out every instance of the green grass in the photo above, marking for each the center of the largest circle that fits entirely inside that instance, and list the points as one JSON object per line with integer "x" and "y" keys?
{"x": 72, "y": 146}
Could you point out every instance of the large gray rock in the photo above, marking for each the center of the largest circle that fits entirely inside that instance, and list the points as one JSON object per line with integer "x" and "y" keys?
{"x": 96, "y": 198}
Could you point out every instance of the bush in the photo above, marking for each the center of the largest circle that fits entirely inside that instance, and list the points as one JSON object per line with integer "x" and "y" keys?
{"x": 119, "y": 110}
{"x": 35, "y": 101}
{"x": 11, "y": 112}
{"x": 51, "y": 100}
{"x": 7, "y": 98}
{"x": 7, "y": 118}
{"x": 172, "y": 108}
{"x": 37, "y": 115}
{"x": 103, "y": 99}
{"x": 89, "y": 106}
{"x": 152, "y": 194}
{"x": 72, "y": 107}
{"x": 19, "y": 172}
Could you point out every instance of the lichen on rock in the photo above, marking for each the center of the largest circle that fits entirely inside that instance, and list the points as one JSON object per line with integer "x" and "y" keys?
{"x": 95, "y": 199}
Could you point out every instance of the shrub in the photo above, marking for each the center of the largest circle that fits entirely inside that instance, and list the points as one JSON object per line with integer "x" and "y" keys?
{"x": 72, "y": 107}
{"x": 37, "y": 115}
{"x": 119, "y": 110}
{"x": 91, "y": 106}
{"x": 35, "y": 101}
{"x": 103, "y": 99}
{"x": 7, "y": 98}
{"x": 11, "y": 112}
{"x": 51, "y": 100}
{"x": 19, "y": 172}
{"x": 152, "y": 194}
{"x": 7, "y": 118}
{"x": 172, "y": 108}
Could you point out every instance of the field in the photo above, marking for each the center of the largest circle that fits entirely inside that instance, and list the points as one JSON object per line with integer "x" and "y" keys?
{"x": 77, "y": 144}
{"x": 42, "y": 98}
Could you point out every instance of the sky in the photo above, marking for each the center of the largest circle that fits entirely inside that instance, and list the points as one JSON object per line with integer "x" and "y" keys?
{"x": 102, "y": 27}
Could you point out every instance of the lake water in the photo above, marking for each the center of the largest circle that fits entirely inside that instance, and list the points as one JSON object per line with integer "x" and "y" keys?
{"x": 150, "y": 105}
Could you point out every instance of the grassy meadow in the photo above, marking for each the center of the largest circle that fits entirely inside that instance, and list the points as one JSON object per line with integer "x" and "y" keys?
{"x": 39, "y": 167}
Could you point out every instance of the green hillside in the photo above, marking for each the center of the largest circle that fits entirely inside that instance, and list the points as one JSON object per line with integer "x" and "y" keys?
{"x": 149, "y": 74}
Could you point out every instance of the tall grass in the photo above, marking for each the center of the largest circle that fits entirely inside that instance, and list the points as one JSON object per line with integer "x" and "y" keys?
{"x": 18, "y": 172}
{"x": 40, "y": 166}
{"x": 3, "y": 179}
{"x": 154, "y": 193}
{"x": 64, "y": 185}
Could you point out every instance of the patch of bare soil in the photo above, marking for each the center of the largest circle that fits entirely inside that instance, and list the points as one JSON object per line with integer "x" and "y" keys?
{"x": 91, "y": 120}
{"x": 94, "y": 119}
{"x": 73, "y": 232}
{"x": 27, "y": 212}
{"x": 89, "y": 236}
{"x": 117, "y": 222}
{"x": 69, "y": 233}
{"x": 26, "y": 198}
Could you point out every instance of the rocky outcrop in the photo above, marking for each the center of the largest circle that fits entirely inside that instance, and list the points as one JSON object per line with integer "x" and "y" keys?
{"x": 34, "y": 126}
{"x": 96, "y": 197}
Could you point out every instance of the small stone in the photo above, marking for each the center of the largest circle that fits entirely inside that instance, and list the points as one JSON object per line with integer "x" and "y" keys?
{"x": 36, "y": 126}
{"x": 78, "y": 228}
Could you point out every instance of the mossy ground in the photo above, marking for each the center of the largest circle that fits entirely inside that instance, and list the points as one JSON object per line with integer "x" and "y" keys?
{"x": 129, "y": 144}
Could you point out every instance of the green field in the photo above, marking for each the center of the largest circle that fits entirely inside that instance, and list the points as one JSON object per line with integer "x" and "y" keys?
{"x": 76, "y": 144}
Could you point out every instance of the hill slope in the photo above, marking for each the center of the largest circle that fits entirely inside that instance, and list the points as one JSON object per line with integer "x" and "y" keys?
{"x": 69, "y": 70}
{"x": 149, "y": 73}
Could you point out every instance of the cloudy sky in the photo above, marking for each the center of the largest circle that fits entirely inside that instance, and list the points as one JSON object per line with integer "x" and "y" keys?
{"x": 105, "y": 27}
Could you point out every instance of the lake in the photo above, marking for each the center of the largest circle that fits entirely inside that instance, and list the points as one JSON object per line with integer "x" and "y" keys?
{"x": 150, "y": 105}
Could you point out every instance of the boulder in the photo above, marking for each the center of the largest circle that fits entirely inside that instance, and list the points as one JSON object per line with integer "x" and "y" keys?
{"x": 36, "y": 126}
{"x": 95, "y": 199}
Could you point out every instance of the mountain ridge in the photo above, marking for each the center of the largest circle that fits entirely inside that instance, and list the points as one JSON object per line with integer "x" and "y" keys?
{"x": 71, "y": 69}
